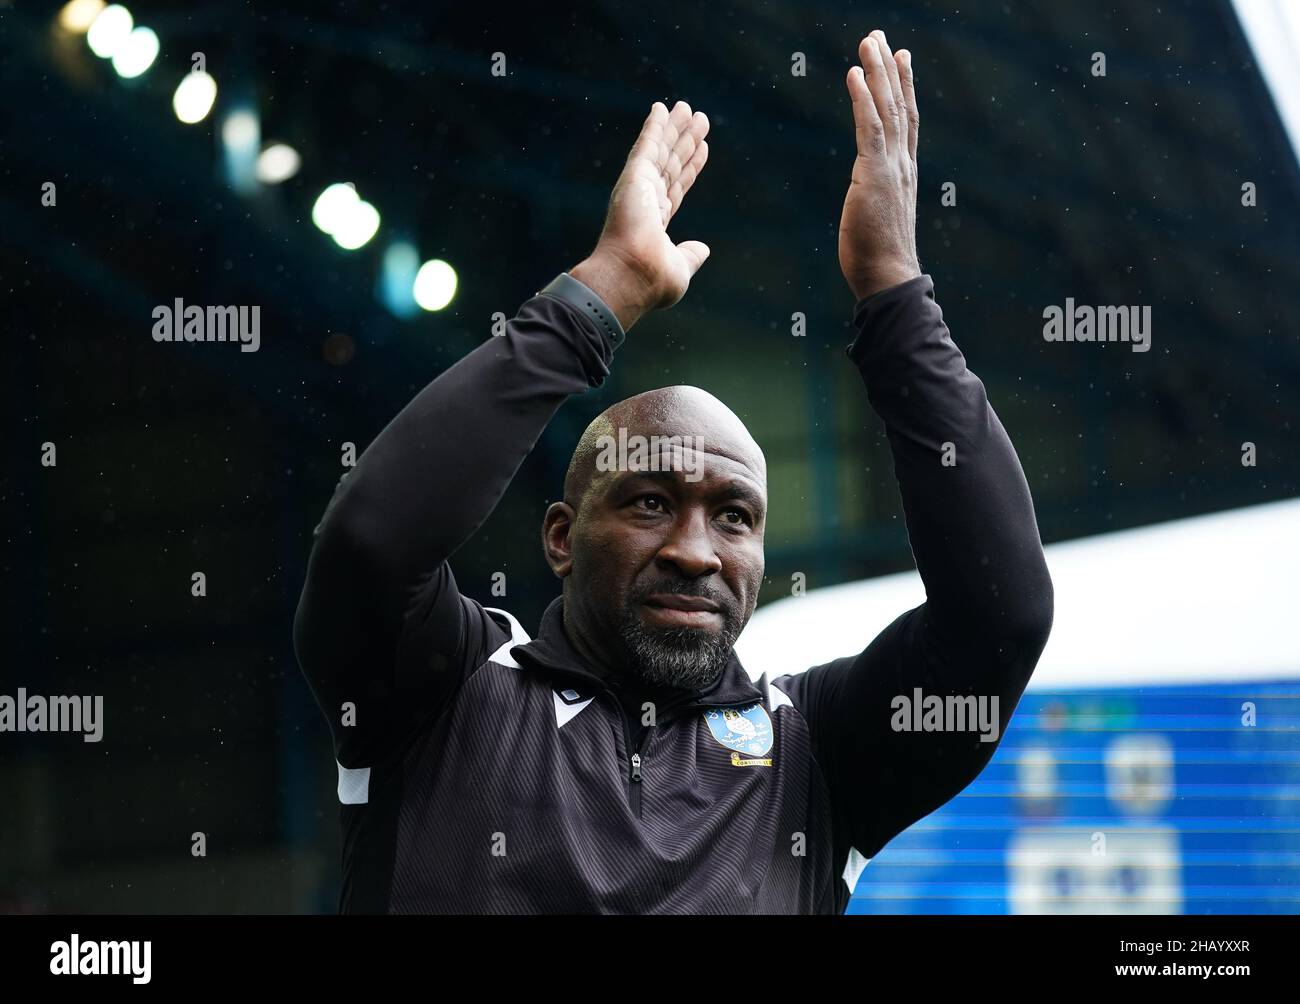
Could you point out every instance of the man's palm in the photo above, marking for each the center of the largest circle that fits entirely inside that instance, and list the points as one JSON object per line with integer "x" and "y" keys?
{"x": 664, "y": 162}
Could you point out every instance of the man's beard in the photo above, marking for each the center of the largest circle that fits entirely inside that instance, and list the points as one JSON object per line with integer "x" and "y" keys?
{"x": 683, "y": 657}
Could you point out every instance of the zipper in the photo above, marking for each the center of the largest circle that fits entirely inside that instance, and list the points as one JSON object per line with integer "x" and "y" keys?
{"x": 635, "y": 763}
{"x": 635, "y": 760}
{"x": 634, "y": 795}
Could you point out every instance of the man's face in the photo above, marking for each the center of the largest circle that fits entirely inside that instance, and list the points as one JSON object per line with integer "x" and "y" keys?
{"x": 668, "y": 563}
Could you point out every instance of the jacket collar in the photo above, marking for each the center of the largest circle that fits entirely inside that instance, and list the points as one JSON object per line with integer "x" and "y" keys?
{"x": 552, "y": 652}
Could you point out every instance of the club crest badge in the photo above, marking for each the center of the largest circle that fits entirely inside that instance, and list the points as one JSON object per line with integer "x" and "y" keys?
{"x": 745, "y": 730}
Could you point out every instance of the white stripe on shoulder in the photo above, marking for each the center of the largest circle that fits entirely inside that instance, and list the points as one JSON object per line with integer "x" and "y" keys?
{"x": 777, "y": 697}
{"x": 564, "y": 710}
{"x": 518, "y": 636}
{"x": 354, "y": 785}
{"x": 853, "y": 868}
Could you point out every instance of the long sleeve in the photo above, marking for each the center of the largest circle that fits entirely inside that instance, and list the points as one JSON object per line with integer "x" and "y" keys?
{"x": 988, "y": 608}
{"x": 381, "y": 625}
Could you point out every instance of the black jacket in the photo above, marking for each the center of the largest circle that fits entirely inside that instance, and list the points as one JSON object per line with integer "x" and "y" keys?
{"x": 484, "y": 772}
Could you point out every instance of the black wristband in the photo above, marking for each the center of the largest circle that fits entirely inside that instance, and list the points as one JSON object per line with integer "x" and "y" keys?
{"x": 578, "y": 294}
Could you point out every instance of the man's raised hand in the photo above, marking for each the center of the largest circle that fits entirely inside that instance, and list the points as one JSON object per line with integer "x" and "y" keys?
{"x": 636, "y": 267}
{"x": 877, "y": 241}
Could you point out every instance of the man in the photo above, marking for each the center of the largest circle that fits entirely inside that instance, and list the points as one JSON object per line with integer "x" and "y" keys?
{"x": 623, "y": 761}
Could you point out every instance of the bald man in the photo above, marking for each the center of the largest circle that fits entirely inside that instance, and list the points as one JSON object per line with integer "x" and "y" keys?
{"x": 622, "y": 760}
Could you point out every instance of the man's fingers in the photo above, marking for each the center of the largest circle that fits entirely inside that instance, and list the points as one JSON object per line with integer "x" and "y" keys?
{"x": 687, "y": 141}
{"x": 679, "y": 119}
{"x": 904, "y": 59}
{"x": 651, "y": 129}
{"x": 648, "y": 146}
{"x": 694, "y": 252}
{"x": 895, "y": 85}
{"x": 866, "y": 120}
{"x": 658, "y": 113}
{"x": 881, "y": 91}
{"x": 658, "y": 134}
{"x": 682, "y": 184}
{"x": 663, "y": 131}
{"x": 696, "y": 130}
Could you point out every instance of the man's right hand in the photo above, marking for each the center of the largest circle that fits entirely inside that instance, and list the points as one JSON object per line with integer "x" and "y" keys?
{"x": 636, "y": 267}
{"x": 877, "y": 241}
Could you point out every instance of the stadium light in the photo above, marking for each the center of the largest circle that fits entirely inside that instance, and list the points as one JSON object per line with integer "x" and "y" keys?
{"x": 109, "y": 30}
{"x": 397, "y": 279}
{"x": 333, "y": 205}
{"x": 77, "y": 16}
{"x": 240, "y": 130}
{"x": 435, "y": 284}
{"x": 342, "y": 214}
{"x": 278, "y": 162}
{"x": 194, "y": 97}
{"x": 241, "y": 137}
{"x": 136, "y": 53}
{"x": 359, "y": 224}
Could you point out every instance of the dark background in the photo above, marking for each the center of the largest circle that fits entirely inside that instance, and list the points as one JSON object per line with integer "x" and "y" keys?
{"x": 1123, "y": 189}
